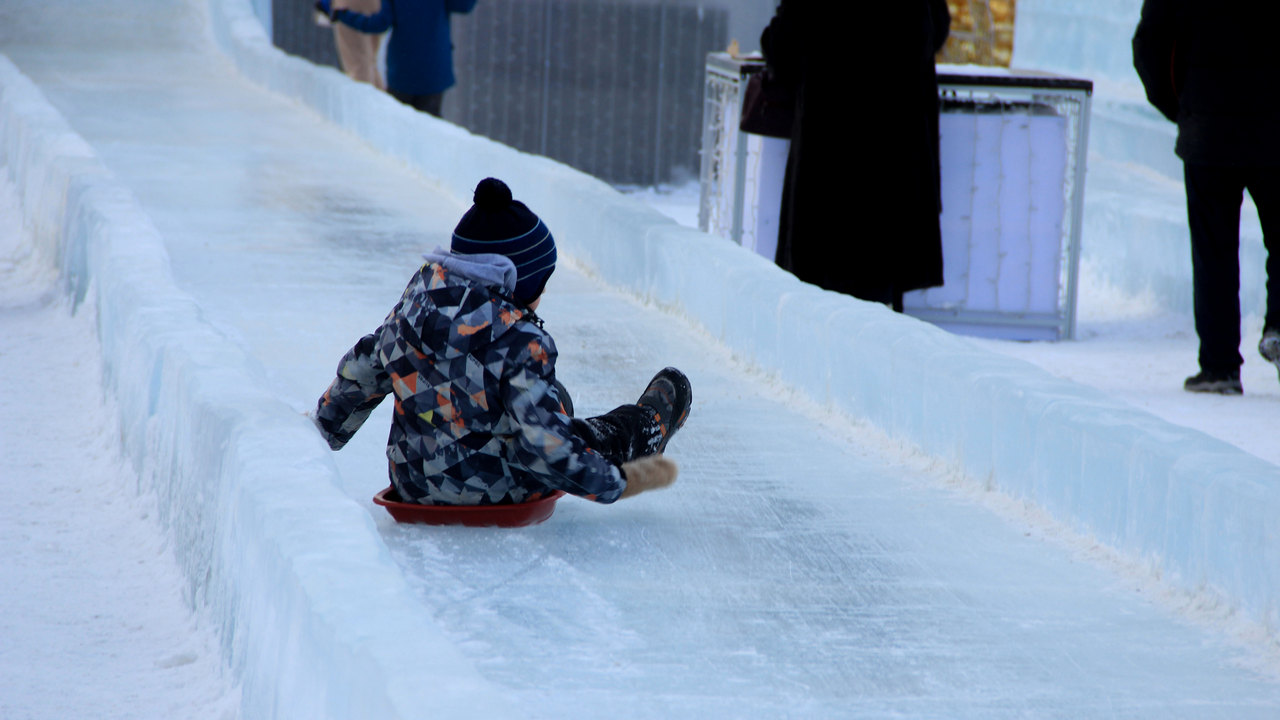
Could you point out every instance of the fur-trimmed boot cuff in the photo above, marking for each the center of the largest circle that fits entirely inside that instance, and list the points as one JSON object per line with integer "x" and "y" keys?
{"x": 648, "y": 473}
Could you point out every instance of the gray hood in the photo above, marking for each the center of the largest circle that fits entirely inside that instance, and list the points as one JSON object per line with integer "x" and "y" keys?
{"x": 488, "y": 269}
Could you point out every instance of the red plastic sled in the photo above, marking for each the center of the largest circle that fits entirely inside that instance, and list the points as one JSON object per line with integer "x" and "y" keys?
{"x": 518, "y": 515}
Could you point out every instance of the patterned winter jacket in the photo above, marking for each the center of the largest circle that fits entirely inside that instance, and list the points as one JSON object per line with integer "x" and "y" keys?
{"x": 477, "y": 419}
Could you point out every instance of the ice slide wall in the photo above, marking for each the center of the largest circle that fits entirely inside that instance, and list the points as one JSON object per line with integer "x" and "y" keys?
{"x": 312, "y": 610}
{"x": 1135, "y": 222}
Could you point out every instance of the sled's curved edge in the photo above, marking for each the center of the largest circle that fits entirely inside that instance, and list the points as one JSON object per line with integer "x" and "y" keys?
{"x": 518, "y": 515}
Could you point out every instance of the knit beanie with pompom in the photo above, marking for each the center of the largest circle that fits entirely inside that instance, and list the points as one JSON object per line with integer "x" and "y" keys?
{"x": 498, "y": 224}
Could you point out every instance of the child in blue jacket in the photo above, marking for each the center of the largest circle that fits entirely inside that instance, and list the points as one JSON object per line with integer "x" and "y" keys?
{"x": 479, "y": 416}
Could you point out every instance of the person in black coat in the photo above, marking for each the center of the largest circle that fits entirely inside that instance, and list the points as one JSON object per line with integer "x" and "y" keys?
{"x": 862, "y": 195}
{"x": 1212, "y": 69}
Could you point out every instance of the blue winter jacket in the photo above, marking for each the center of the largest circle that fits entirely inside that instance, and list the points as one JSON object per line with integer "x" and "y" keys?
{"x": 477, "y": 416}
{"x": 420, "y": 51}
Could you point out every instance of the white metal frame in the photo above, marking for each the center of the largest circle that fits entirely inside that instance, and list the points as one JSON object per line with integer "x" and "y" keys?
{"x": 731, "y": 202}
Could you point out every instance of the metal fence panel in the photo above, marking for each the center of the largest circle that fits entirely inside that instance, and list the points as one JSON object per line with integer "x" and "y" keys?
{"x": 1013, "y": 153}
{"x": 611, "y": 87}
{"x": 294, "y": 30}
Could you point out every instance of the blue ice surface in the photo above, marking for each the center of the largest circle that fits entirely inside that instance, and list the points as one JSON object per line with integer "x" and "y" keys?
{"x": 803, "y": 566}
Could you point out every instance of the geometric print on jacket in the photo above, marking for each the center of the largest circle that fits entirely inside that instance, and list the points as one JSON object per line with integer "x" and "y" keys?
{"x": 477, "y": 418}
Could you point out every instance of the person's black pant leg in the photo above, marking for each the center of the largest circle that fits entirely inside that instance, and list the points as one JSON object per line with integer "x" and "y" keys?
{"x": 430, "y": 104}
{"x": 1264, "y": 187}
{"x": 1214, "y": 194}
{"x": 620, "y": 435}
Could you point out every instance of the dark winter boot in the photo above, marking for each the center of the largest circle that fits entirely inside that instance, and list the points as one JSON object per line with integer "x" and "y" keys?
{"x": 1269, "y": 347}
{"x": 633, "y": 431}
{"x": 1222, "y": 383}
{"x": 669, "y": 397}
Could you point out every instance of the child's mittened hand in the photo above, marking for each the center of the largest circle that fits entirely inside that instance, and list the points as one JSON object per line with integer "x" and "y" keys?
{"x": 648, "y": 473}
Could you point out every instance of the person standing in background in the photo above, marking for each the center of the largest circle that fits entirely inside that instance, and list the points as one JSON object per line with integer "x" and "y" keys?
{"x": 862, "y": 192}
{"x": 1211, "y": 69}
{"x": 357, "y": 51}
{"x": 420, "y": 51}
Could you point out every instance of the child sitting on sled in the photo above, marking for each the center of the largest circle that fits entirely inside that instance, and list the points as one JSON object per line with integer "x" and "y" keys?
{"x": 479, "y": 416}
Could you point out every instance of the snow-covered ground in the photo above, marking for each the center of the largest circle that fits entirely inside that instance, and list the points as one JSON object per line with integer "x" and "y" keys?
{"x": 95, "y": 622}
{"x": 806, "y": 565}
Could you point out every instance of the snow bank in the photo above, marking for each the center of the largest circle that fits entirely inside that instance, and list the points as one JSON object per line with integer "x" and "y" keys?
{"x": 292, "y": 571}
{"x": 1204, "y": 513}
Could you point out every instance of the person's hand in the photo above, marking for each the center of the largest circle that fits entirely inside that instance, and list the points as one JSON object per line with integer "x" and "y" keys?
{"x": 648, "y": 473}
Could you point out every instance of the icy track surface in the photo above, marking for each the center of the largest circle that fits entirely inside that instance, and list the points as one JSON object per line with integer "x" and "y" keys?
{"x": 802, "y": 567}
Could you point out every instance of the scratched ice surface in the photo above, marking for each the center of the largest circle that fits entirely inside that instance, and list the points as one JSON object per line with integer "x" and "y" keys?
{"x": 798, "y": 569}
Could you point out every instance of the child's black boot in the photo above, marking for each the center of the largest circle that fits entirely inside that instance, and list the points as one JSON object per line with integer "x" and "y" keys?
{"x": 669, "y": 397}
{"x": 1269, "y": 346}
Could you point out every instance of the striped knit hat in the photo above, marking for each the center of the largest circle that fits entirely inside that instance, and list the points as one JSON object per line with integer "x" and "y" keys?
{"x": 498, "y": 224}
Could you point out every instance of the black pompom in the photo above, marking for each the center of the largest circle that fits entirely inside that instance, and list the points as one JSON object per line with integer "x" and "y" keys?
{"x": 492, "y": 194}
